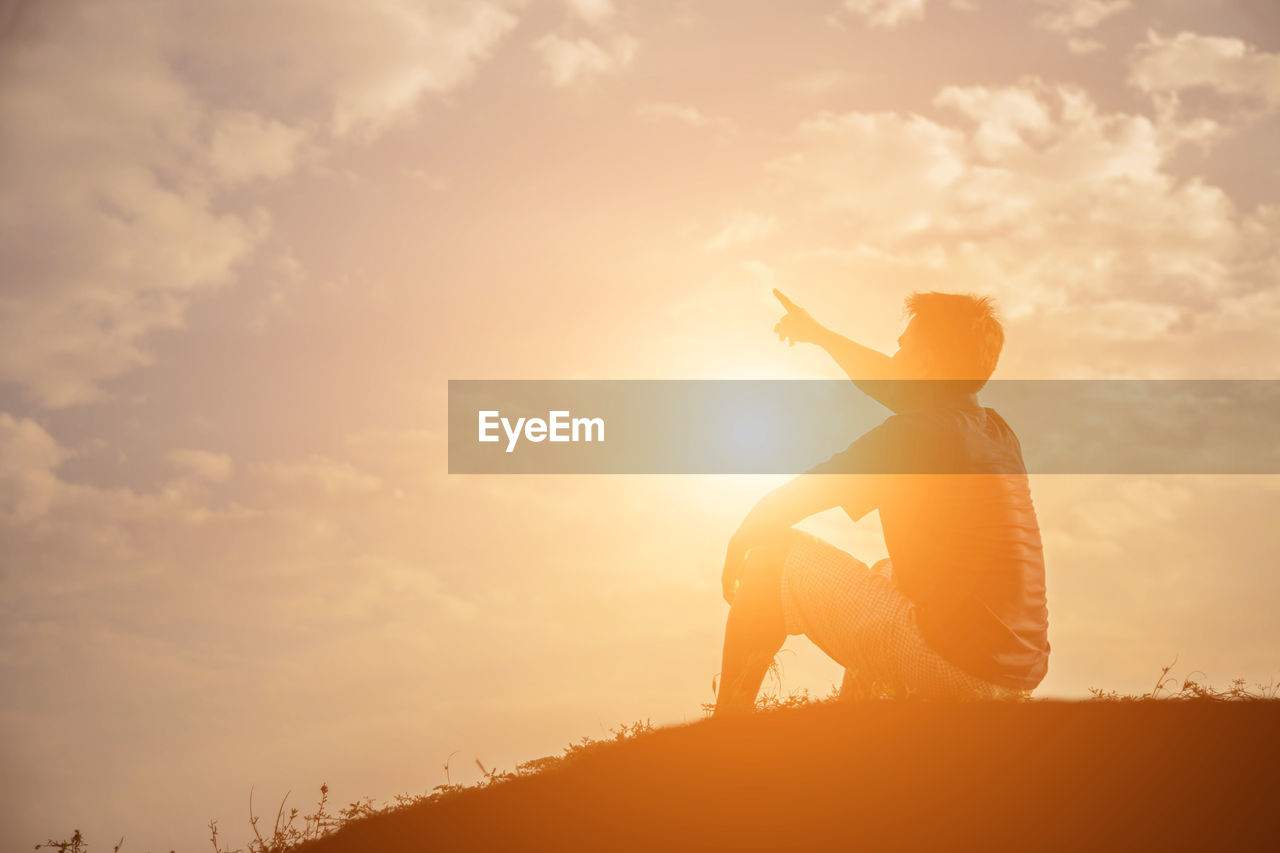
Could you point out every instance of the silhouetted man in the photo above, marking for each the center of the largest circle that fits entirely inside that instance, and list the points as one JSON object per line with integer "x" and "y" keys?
{"x": 958, "y": 609}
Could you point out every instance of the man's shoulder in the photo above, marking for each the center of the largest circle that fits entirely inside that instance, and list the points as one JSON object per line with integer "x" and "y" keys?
{"x": 931, "y": 440}
{"x": 958, "y": 438}
{"x": 939, "y": 422}
{"x": 915, "y": 430}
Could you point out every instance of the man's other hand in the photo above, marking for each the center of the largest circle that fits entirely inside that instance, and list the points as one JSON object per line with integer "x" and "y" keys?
{"x": 735, "y": 560}
{"x": 796, "y": 325}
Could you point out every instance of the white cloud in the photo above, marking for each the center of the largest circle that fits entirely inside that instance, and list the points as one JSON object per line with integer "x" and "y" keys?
{"x": 357, "y": 70}
{"x": 29, "y": 458}
{"x": 878, "y": 166}
{"x": 1038, "y": 196}
{"x": 202, "y": 464}
{"x": 1228, "y": 66}
{"x": 1072, "y": 16}
{"x": 320, "y": 474}
{"x": 1082, "y": 46}
{"x": 1008, "y": 119}
{"x": 742, "y": 228}
{"x": 1136, "y": 504}
{"x": 594, "y": 12}
{"x": 681, "y": 114}
{"x": 246, "y": 146}
{"x": 108, "y": 222}
{"x": 819, "y": 84}
{"x": 126, "y": 124}
{"x": 571, "y": 59}
{"x": 886, "y": 13}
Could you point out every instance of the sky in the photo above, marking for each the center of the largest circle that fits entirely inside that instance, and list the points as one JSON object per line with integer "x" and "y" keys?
{"x": 244, "y": 245}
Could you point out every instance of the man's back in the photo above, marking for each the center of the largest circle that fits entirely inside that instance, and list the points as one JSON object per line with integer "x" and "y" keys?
{"x": 962, "y": 533}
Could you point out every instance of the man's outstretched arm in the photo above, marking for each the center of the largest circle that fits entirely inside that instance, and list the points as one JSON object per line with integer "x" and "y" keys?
{"x": 869, "y": 369}
{"x": 777, "y": 511}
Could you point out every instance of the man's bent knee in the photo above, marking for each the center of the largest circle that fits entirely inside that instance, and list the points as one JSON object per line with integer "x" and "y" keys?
{"x": 764, "y": 562}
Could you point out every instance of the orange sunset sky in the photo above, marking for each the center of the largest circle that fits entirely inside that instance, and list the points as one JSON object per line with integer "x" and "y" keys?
{"x": 244, "y": 245}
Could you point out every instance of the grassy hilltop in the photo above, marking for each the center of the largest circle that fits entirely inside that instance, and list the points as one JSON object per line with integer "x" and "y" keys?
{"x": 895, "y": 775}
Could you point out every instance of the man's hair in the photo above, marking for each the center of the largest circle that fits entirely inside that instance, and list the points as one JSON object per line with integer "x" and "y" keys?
{"x": 963, "y": 330}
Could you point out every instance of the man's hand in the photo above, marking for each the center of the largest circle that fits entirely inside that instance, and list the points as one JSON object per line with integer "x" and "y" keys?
{"x": 735, "y": 560}
{"x": 769, "y": 523}
{"x": 796, "y": 324}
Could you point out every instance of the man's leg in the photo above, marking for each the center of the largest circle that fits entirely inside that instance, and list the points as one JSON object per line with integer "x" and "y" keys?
{"x": 858, "y": 684}
{"x": 754, "y": 632}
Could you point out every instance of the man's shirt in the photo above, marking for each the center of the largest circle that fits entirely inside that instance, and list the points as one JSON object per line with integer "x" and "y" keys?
{"x": 960, "y": 527}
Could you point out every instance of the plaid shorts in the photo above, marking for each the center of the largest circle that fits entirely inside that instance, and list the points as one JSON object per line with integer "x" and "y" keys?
{"x": 859, "y": 617}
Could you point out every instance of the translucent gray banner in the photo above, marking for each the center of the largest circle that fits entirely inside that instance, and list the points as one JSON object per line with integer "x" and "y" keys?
{"x": 786, "y": 427}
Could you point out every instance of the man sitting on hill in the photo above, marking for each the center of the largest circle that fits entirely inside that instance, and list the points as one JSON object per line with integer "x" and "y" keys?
{"x": 958, "y": 609}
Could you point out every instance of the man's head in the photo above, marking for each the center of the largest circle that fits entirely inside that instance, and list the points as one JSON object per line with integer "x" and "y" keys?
{"x": 950, "y": 336}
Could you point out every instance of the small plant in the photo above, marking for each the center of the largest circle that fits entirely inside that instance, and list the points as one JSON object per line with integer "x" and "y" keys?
{"x": 287, "y": 835}
{"x": 1191, "y": 689}
{"x": 491, "y": 777}
{"x": 771, "y": 698}
{"x": 284, "y": 833}
{"x": 76, "y": 844}
{"x": 619, "y": 734}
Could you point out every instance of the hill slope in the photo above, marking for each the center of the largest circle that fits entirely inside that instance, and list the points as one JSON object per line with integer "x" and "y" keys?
{"x": 901, "y": 775}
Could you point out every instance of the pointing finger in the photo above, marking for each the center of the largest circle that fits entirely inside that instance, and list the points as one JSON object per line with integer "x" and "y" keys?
{"x": 786, "y": 303}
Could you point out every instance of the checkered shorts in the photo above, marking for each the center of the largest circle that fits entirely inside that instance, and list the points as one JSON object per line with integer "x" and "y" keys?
{"x": 859, "y": 617}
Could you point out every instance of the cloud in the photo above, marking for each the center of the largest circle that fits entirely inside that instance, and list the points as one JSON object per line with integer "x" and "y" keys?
{"x": 1055, "y": 206}
{"x": 569, "y": 60}
{"x": 320, "y": 474}
{"x": 1227, "y": 66}
{"x": 1072, "y": 16}
{"x": 594, "y": 12}
{"x": 29, "y": 458}
{"x": 879, "y": 166}
{"x": 743, "y": 228}
{"x": 1135, "y": 505}
{"x": 1082, "y": 45}
{"x": 246, "y": 146}
{"x": 202, "y": 464}
{"x": 127, "y": 125}
{"x": 886, "y": 13}
{"x": 819, "y": 84}
{"x": 108, "y": 218}
{"x": 315, "y": 62}
{"x": 682, "y": 114}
